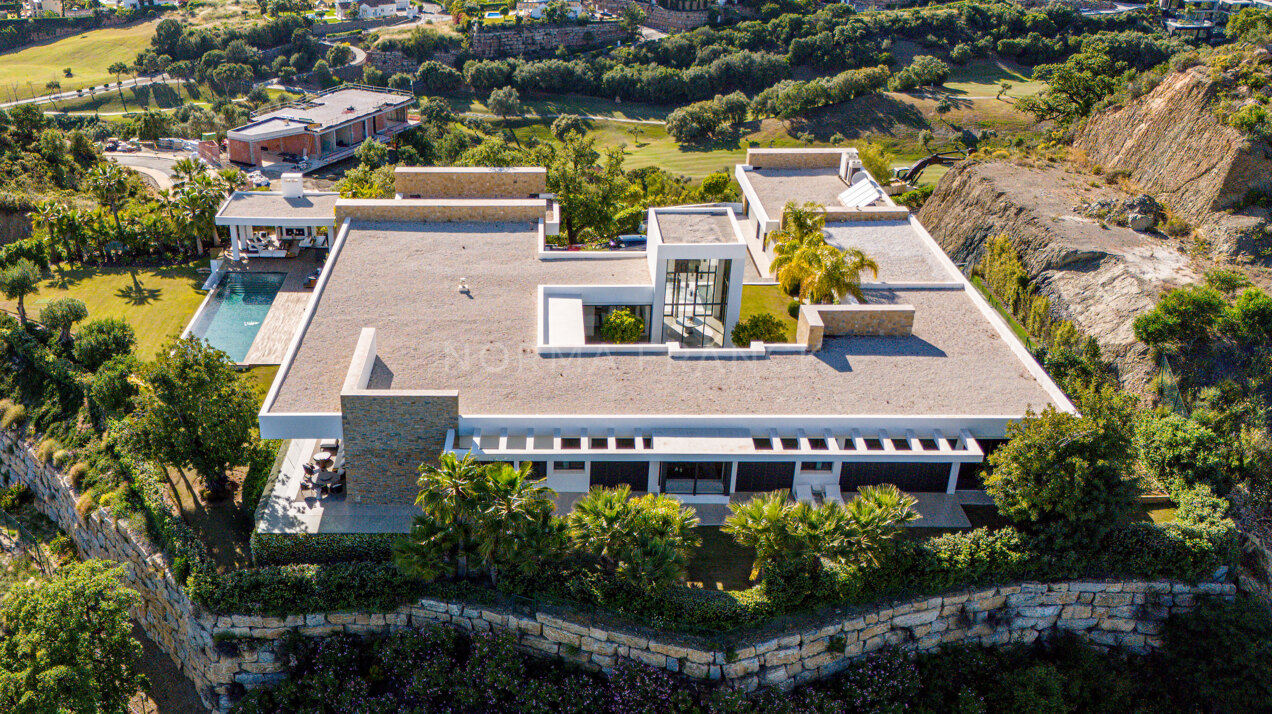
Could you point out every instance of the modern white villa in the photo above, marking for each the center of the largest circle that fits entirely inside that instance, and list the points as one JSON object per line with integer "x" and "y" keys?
{"x": 443, "y": 321}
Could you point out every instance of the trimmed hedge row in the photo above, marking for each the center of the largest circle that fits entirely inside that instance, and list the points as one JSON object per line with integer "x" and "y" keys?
{"x": 321, "y": 548}
{"x": 294, "y": 589}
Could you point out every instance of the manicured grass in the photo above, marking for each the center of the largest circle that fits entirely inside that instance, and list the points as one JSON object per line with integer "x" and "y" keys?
{"x": 980, "y": 78}
{"x": 157, "y": 302}
{"x": 569, "y": 104}
{"x": 135, "y": 99}
{"x": 261, "y": 378}
{"x": 719, "y": 563}
{"x": 88, "y": 55}
{"x": 770, "y": 299}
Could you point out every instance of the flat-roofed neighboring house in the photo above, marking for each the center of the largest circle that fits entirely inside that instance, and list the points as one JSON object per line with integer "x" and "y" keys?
{"x": 319, "y": 129}
{"x": 371, "y": 9}
{"x": 445, "y": 320}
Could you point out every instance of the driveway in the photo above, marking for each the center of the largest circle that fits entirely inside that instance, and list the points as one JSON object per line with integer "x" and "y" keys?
{"x": 157, "y": 166}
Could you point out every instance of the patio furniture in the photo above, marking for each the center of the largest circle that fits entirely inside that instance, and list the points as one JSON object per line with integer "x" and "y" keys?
{"x": 329, "y": 444}
{"x": 832, "y": 492}
{"x": 804, "y": 494}
{"x": 326, "y": 480}
{"x": 322, "y": 459}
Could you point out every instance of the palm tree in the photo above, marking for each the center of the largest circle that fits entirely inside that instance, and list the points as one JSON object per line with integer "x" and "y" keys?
{"x": 798, "y": 222}
{"x": 117, "y": 69}
{"x": 516, "y": 509}
{"x": 230, "y": 179}
{"x": 442, "y": 538}
{"x": 109, "y": 185}
{"x": 794, "y": 257}
{"x": 761, "y": 524}
{"x": 834, "y": 273}
{"x": 184, "y": 170}
{"x": 49, "y": 214}
{"x": 644, "y": 541}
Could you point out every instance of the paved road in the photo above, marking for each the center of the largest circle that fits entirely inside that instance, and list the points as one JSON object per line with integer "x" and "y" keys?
{"x": 80, "y": 93}
{"x": 156, "y": 165}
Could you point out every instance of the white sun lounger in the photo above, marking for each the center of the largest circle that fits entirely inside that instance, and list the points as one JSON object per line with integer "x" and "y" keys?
{"x": 804, "y": 494}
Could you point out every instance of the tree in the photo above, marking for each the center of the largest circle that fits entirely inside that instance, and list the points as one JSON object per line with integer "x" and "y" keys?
{"x": 101, "y": 340}
{"x": 1003, "y": 87}
{"x": 194, "y": 411}
{"x": 62, "y": 314}
{"x": 372, "y": 154}
{"x": 401, "y": 81}
{"x": 322, "y": 73}
{"x": 53, "y": 86}
{"x": 109, "y": 185}
{"x": 631, "y": 20}
{"x": 68, "y": 643}
{"x": 621, "y": 327}
{"x": 590, "y": 194}
{"x": 1064, "y": 476}
{"x": 760, "y": 327}
{"x": 567, "y": 123}
{"x": 852, "y": 533}
{"x": 643, "y": 541}
{"x": 489, "y": 513}
{"x": 438, "y": 77}
{"x": 504, "y": 103}
{"x": 1076, "y": 85}
{"x": 339, "y": 55}
{"x": 877, "y": 161}
{"x": 832, "y": 273}
{"x": 20, "y": 279}
{"x": 118, "y": 69}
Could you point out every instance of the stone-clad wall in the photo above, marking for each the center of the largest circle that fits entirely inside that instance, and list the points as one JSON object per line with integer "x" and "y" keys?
{"x": 384, "y": 431}
{"x": 537, "y": 40}
{"x": 818, "y": 321}
{"x": 439, "y": 211}
{"x": 164, "y": 611}
{"x": 660, "y": 18}
{"x": 458, "y": 182}
{"x": 1113, "y": 613}
{"x": 220, "y": 654}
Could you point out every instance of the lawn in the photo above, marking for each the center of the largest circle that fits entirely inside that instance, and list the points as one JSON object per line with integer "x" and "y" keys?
{"x": 719, "y": 563}
{"x": 157, "y": 302}
{"x": 26, "y": 71}
{"x": 135, "y": 99}
{"x": 980, "y": 78}
{"x": 770, "y": 299}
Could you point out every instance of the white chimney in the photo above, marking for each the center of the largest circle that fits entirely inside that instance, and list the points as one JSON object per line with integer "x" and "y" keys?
{"x": 293, "y": 186}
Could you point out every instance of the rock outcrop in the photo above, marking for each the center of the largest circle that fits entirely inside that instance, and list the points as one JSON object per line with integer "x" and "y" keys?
{"x": 1098, "y": 275}
{"x": 1173, "y": 146}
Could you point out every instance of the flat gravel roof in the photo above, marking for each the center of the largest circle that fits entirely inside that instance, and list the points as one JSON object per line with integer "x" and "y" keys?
{"x": 255, "y": 204}
{"x": 903, "y": 256}
{"x": 335, "y": 107}
{"x": 697, "y": 227}
{"x": 401, "y": 279}
{"x": 775, "y": 187}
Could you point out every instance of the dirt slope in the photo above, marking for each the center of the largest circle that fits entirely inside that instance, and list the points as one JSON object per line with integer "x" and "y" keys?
{"x": 1099, "y": 276}
{"x": 1176, "y": 149}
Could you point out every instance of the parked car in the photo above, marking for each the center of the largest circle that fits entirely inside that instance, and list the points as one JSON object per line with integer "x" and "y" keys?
{"x": 628, "y": 242}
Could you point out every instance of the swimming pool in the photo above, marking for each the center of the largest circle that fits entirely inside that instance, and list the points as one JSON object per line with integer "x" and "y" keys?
{"x": 234, "y": 313}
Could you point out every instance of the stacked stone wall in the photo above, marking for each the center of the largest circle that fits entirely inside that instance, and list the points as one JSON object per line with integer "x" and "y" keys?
{"x": 384, "y": 430}
{"x": 440, "y": 210}
{"x": 661, "y": 18}
{"x": 453, "y": 182}
{"x": 220, "y": 654}
{"x": 542, "y": 40}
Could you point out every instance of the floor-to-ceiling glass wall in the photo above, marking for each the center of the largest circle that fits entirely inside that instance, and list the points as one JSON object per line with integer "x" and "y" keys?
{"x": 696, "y": 478}
{"x": 696, "y": 301}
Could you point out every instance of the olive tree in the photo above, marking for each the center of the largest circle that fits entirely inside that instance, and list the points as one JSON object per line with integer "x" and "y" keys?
{"x": 62, "y": 314}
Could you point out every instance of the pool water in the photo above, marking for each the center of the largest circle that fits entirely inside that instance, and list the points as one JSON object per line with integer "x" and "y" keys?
{"x": 236, "y": 310}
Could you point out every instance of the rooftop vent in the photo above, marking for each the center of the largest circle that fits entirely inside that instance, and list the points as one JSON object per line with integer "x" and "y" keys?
{"x": 293, "y": 187}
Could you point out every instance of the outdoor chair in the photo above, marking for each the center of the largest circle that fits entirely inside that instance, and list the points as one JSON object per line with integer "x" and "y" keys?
{"x": 804, "y": 494}
{"x": 832, "y": 492}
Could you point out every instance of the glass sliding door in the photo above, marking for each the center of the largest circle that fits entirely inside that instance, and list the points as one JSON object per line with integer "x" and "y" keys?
{"x": 695, "y": 478}
{"x": 696, "y": 301}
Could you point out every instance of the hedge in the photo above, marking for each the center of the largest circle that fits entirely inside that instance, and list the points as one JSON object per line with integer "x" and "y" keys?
{"x": 291, "y": 589}
{"x": 319, "y": 548}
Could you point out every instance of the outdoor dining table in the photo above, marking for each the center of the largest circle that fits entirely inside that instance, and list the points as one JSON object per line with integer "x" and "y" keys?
{"x": 323, "y": 458}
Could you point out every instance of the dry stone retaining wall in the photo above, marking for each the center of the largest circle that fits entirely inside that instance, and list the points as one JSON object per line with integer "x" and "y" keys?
{"x": 538, "y": 40}
{"x": 222, "y": 654}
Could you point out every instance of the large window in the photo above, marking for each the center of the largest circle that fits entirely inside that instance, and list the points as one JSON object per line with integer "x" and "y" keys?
{"x": 695, "y": 478}
{"x": 696, "y": 302}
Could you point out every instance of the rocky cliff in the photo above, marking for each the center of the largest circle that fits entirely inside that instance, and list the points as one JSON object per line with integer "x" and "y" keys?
{"x": 1174, "y": 147}
{"x": 1098, "y": 275}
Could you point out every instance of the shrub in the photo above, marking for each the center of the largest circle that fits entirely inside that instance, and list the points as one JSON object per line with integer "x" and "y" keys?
{"x": 644, "y": 541}
{"x": 1181, "y": 452}
{"x": 1220, "y": 657}
{"x": 260, "y": 467}
{"x": 760, "y": 327}
{"x": 76, "y": 475}
{"x": 1177, "y": 227}
{"x": 1186, "y": 315}
{"x": 438, "y": 77}
{"x": 924, "y": 71}
{"x": 13, "y": 497}
{"x": 291, "y": 589}
{"x": 1062, "y": 475}
{"x": 62, "y": 457}
{"x": 1250, "y": 316}
{"x": 288, "y": 548}
{"x": 99, "y": 340}
{"x": 85, "y": 505}
{"x": 14, "y": 416}
{"x": 792, "y": 308}
{"x": 877, "y": 161}
{"x": 44, "y": 452}
{"x": 915, "y": 199}
{"x": 621, "y": 327}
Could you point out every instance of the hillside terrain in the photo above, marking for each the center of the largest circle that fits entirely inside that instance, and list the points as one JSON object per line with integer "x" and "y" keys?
{"x": 1173, "y": 145}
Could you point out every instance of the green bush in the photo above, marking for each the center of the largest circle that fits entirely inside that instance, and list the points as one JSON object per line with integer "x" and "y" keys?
{"x": 915, "y": 199}
{"x": 45, "y": 451}
{"x": 318, "y": 548}
{"x": 290, "y": 589}
{"x": 1185, "y": 315}
{"x": 621, "y": 327}
{"x": 760, "y": 327}
{"x": 265, "y": 455}
{"x": 14, "y": 416}
{"x": 1180, "y": 452}
{"x": 792, "y": 308}
{"x": 14, "y": 497}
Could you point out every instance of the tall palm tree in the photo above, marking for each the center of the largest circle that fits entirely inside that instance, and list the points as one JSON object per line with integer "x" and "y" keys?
{"x": 230, "y": 179}
{"x": 799, "y": 222}
{"x": 109, "y": 185}
{"x": 49, "y": 214}
{"x": 794, "y": 257}
{"x": 184, "y": 170}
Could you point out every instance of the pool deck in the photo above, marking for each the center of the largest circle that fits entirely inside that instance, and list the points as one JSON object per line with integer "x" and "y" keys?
{"x": 280, "y": 323}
